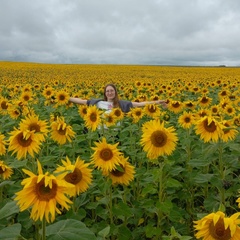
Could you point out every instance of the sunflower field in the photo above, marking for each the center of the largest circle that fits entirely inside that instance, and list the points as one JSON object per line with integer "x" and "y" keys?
{"x": 152, "y": 173}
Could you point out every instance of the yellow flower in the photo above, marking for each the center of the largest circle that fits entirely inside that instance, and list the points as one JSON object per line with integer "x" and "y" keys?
{"x": 82, "y": 110}
{"x": 152, "y": 110}
{"x": 79, "y": 174}
{"x": 93, "y": 117}
{"x": 186, "y": 120}
{"x": 209, "y": 129}
{"x": 32, "y": 123}
{"x": 175, "y": 106}
{"x": 3, "y": 144}
{"x": 61, "y": 132}
{"x": 62, "y": 97}
{"x": 24, "y": 142}
{"x": 118, "y": 113}
{"x": 5, "y": 171}
{"x": 217, "y": 226}
{"x": 158, "y": 140}
{"x": 229, "y": 131}
{"x": 123, "y": 174}
{"x": 136, "y": 114}
{"x": 44, "y": 194}
{"x": 106, "y": 156}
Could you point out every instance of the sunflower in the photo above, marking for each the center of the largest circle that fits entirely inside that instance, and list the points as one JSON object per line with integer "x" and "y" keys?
{"x": 215, "y": 110}
{"x": 62, "y": 97}
{"x": 209, "y": 129}
{"x": 136, "y": 114}
{"x": 4, "y": 105}
{"x": 106, "y": 156}
{"x": 82, "y": 110}
{"x": 5, "y": 171}
{"x": 175, "y": 106}
{"x": 229, "y": 110}
{"x": 186, "y": 120}
{"x": 229, "y": 131}
{"x": 32, "y": 123}
{"x": 42, "y": 193}
{"x": 152, "y": 110}
{"x": 14, "y": 112}
{"x": 109, "y": 119}
{"x": 204, "y": 101}
{"x": 217, "y": 226}
{"x": 189, "y": 104}
{"x": 24, "y": 142}
{"x": 61, "y": 132}
{"x": 26, "y": 96}
{"x": 79, "y": 174}
{"x": 236, "y": 121}
{"x": 202, "y": 113}
{"x": 158, "y": 140}
{"x": 3, "y": 144}
{"x": 93, "y": 117}
{"x": 123, "y": 174}
{"x": 118, "y": 113}
{"x": 48, "y": 92}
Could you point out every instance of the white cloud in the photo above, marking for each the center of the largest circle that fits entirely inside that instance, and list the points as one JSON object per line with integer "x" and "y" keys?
{"x": 187, "y": 32}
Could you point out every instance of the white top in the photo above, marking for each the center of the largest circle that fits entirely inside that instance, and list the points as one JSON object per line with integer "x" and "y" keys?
{"x": 108, "y": 106}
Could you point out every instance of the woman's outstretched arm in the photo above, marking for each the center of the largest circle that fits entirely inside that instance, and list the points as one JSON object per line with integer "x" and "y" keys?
{"x": 142, "y": 104}
{"x": 78, "y": 100}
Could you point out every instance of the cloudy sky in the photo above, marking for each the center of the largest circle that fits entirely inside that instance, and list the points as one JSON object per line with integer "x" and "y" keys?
{"x": 164, "y": 32}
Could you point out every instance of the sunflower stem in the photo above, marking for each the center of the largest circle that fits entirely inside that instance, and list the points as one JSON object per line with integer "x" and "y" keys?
{"x": 110, "y": 204}
{"x": 44, "y": 229}
{"x": 160, "y": 197}
{"x": 222, "y": 174}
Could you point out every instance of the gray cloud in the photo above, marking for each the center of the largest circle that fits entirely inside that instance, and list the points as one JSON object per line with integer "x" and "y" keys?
{"x": 187, "y": 32}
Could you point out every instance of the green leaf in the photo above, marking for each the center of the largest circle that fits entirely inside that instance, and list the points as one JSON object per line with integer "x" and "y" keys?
{"x": 104, "y": 232}
{"x": 9, "y": 209}
{"x": 171, "y": 182}
{"x": 202, "y": 178}
{"x": 122, "y": 209}
{"x": 199, "y": 162}
{"x": 6, "y": 183}
{"x": 11, "y": 232}
{"x": 69, "y": 230}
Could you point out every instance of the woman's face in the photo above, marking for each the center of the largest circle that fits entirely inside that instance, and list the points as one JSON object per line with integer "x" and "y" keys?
{"x": 110, "y": 93}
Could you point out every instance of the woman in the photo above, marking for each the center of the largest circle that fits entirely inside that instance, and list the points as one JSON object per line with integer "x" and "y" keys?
{"x": 111, "y": 100}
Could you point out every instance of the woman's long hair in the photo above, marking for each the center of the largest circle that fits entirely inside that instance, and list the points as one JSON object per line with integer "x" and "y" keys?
{"x": 116, "y": 98}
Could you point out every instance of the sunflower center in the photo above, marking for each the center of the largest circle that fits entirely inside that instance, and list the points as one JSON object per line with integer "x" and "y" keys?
{"x": 26, "y": 98}
{"x": 152, "y": 109}
{"x": 187, "y": 120}
{"x": 218, "y": 231}
{"x": 204, "y": 100}
{"x": 214, "y": 110}
{"x": 118, "y": 173}
{"x": 4, "y": 105}
{"x": 74, "y": 177}
{"x": 45, "y": 193}
{"x": 189, "y": 105}
{"x": 106, "y": 154}
{"x": 176, "y": 105}
{"x": 1, "y": 170}
{"x": 48, "y": 93}
{"x": 34, "y": 126}
{"x": 93, "y": 117}
{"x": 62, "y": 131}
{"x": 138, "y": 113}
{"x": 210, "y": 127}
{"x": 158, "y": 138}
{"x": 62, "y": 97}
{"x": 117, "y": 113}
{"x": 22, "y": 141}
